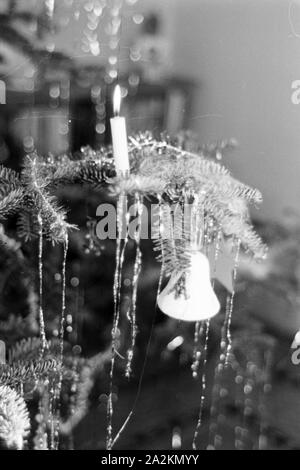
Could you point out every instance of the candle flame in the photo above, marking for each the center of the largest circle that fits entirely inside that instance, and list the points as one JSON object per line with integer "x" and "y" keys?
{"x": 117, "y": 100}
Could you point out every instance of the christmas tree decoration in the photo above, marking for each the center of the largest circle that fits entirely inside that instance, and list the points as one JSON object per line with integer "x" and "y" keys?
{"x": 14, "y": 419}
{"x": 119, "y": 135}
{"x": 201, "y": 210}
{"x": 189, "y": 296}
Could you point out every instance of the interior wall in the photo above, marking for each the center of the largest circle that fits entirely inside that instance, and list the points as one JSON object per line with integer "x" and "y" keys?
{"x": 246, "y": 56}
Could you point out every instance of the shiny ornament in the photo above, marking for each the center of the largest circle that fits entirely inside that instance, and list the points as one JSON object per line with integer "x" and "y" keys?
{"x": 189, "y": 295}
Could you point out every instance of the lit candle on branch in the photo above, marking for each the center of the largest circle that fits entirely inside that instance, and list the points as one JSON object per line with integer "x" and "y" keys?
{"x": 119, "y": 136}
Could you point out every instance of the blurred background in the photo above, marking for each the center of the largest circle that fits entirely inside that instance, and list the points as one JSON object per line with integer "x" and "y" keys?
{"x": 223, "y": 69}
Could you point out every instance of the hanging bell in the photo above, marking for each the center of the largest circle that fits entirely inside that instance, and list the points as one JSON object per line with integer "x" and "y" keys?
{"x": 189, "y": 295}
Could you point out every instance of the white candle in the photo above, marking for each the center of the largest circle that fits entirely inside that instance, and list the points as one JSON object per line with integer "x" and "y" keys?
{"x": 2, "y": 353}
{"x": 119, "y": 136}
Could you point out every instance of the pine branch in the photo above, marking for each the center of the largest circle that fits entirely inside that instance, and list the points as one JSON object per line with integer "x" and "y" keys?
{"x": 9, "y": 180}
{"x": 24, "y": 372}
{"x": 24, "y": 350}
{"x": 55, "y": 226}
{"x": 27, "y": 225}
{"x": 157, "y": 168}
{"x": 11, "y": 204}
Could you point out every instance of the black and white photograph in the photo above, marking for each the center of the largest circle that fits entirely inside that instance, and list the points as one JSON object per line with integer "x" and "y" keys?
{"x": 149, "y": 228}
